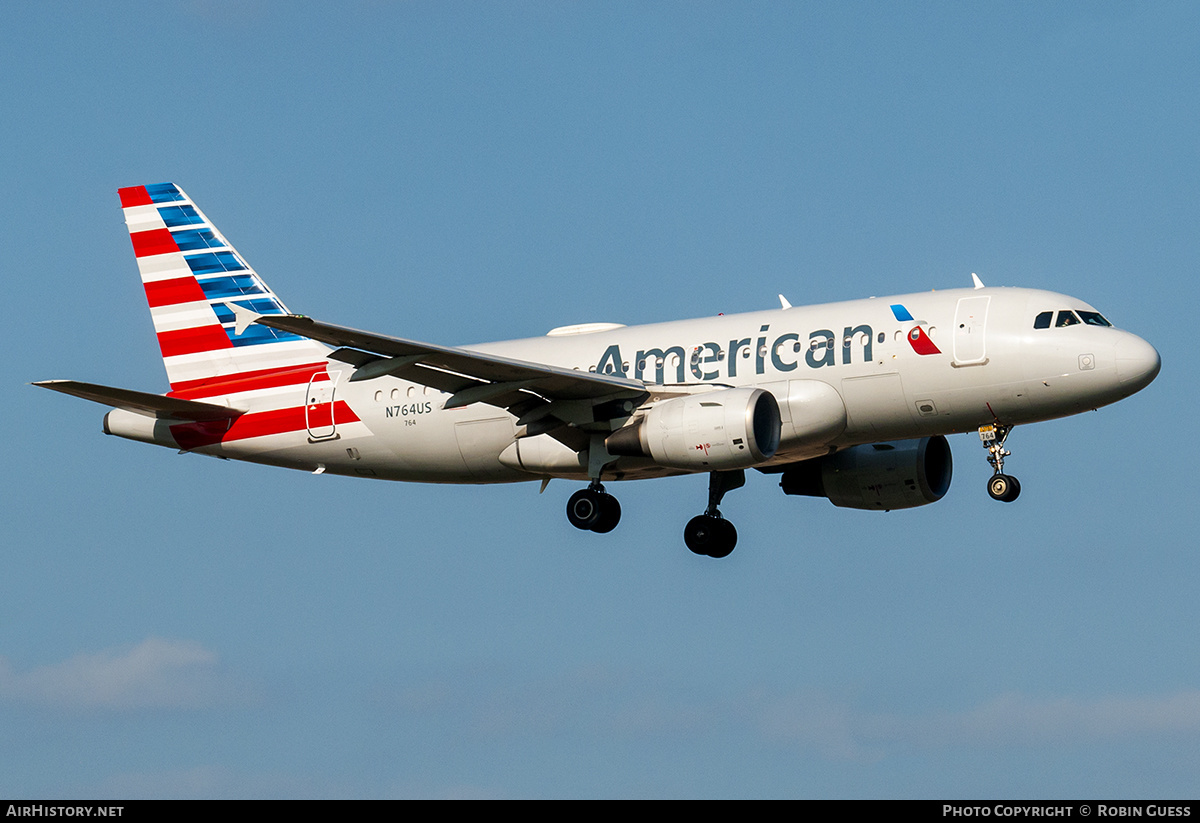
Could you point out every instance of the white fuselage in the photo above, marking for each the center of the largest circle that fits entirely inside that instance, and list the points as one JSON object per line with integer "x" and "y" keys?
{"x": 962, "y": 359}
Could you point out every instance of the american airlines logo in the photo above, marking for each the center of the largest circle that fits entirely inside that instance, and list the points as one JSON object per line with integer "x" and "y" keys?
{"x": 918, "y": 338}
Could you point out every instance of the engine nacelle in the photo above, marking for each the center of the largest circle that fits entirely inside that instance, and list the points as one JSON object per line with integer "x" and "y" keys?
{"x": 897, "y": 475}
{"x": 714, "y": 431}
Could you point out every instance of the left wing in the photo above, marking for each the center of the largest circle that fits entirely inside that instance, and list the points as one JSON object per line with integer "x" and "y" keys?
{"x": 531, "y": 391}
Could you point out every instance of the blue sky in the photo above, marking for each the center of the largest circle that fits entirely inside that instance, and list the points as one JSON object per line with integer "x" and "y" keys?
{"x": 174, "y": 626}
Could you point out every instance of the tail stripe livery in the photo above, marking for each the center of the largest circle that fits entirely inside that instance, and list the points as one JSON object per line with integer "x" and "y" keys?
{"x": 155, "y": 241}
{"x": 260, "y": 424}
{"x": 189, "y": 271}
{"x": 250, "y": 381}
{"x": 148, "y": 195}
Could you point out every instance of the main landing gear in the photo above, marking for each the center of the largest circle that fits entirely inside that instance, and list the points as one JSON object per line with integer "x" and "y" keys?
{"x": 594, "y": 509}
{"x": 710, "y": 534}
{"x": 1001, "y": 486}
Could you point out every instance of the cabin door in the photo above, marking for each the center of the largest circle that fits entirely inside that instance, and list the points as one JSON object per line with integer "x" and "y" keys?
{"x": 970, "y": 324}
{"x": 318, "y": 407}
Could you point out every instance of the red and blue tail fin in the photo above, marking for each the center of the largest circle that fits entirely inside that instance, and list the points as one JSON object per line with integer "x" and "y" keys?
{"x": 191, "y": 274}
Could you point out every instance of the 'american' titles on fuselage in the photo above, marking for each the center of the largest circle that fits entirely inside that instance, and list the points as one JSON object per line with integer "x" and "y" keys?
{"x": 708, "y": 361}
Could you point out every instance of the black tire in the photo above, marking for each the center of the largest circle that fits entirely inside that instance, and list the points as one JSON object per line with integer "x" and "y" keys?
{"x": 610, "y": 514}
{"x": 1014, "y": 490}
{"x": 727, "y": 535}
{"x": 710, "y": 536}
{"x": 584, "y": 509}
{"x": 1003, "y": 488}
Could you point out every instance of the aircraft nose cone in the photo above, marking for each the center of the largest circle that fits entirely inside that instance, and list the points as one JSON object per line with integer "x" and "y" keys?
{"x": 1138, "y": 363}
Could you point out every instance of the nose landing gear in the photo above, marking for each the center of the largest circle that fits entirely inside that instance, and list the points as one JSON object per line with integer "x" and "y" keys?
{"x": 1001, "y": 486}
{"x": 1004, "y": 487}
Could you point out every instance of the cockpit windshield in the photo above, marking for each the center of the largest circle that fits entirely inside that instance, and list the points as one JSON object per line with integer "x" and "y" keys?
{"x": 1066, "y": 317}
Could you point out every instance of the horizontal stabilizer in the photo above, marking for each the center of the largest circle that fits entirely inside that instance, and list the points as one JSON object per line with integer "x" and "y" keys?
{"x": 142, "y": 402}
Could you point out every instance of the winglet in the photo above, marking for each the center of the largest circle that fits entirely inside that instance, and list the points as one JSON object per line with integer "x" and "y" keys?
{"x": 783, "y": 302}
{"x": 978, "y": 282}
{"x": 243, "y": 318}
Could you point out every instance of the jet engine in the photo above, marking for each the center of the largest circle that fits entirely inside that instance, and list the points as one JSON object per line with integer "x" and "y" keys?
{"x": 715, "y": 431}
{"x": 897, "y": 475}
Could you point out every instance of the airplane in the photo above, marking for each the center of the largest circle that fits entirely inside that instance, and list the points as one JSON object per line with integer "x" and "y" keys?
{"x": 850, "y": 401}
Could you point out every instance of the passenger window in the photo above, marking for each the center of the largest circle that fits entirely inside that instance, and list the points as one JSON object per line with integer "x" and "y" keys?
{"x": 1094, "y": 318}
{"x": 1042, "y": 321}
{"x": 1067, "y": 318}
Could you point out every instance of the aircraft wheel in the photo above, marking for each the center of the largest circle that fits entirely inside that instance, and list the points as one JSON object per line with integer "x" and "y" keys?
{"x": 1004, "y": 488}
{"x": 1014, "y": 491}
{"x": 710, "y": 536}
{"x": 584, "y": 509}
{"x": 610, "y": 514}
{"x": 728, "y": 539}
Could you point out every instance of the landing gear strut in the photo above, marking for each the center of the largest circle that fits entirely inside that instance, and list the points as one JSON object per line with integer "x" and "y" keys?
{"x": 709, "y": 533}
{"x": 593, "y": 509}
{"x": 1001, "y": 486}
